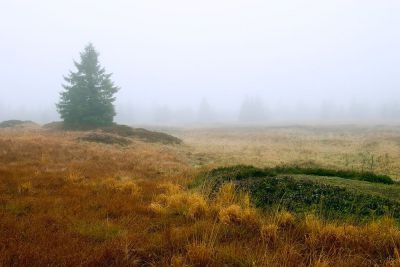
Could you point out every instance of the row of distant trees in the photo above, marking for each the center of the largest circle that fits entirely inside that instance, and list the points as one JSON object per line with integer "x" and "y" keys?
{"x": 88, "y": 97}
{"x": 256, "y": 112}
{"x": 89, "y": 94}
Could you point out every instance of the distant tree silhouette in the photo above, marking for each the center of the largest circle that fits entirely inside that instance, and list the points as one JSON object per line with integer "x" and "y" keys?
{"x": 162, "y": 114}
{"x": 205, "y": 112}
{"x": 252, "y": 110}
{"x": 88, "y": 96}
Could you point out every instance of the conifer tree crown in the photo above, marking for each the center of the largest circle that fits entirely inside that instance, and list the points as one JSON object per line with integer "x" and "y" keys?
{"x": 88, "y": 96}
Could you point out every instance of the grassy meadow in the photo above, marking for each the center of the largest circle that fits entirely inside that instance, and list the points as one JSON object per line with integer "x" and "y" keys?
{"x": 65, "y": 201}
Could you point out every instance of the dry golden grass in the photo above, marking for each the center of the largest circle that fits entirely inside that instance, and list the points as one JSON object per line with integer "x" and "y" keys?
{"x": 70, "y": 203}
{"x": 349, "y": 147}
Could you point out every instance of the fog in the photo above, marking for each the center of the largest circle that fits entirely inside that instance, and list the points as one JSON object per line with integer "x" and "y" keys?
{"x": 209, "y": 62}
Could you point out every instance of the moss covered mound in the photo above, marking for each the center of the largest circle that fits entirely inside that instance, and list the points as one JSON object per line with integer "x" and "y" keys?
{"x": 269, "y": 190}
{"x": 239, "y": 172}
{"x": 17, "y": 123}
{"x": 142, "y": 134}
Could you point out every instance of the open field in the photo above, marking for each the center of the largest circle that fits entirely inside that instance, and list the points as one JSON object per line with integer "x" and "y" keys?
{"x": 347, "y": 147}
{"x": 68, "y": 202}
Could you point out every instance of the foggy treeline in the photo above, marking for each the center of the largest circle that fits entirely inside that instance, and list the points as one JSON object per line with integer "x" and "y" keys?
{"x": 252, "y": 110}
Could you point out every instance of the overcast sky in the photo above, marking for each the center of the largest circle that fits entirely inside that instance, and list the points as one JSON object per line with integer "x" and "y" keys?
{"x": 177, "y": 52}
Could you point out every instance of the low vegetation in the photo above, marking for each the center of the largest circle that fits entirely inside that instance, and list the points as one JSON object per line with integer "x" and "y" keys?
{"x": 16, "y": 123}
{"x": 65, "y": 202}
{"x": 123, "y": 133}
{"x": 239, "y": 172}
{"x": 105, "y": 139}
{"x": 284, "y": 192}
{"x": 142, "y": 134}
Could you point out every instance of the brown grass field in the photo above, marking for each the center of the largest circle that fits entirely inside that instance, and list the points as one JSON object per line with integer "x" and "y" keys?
{"x": 65, "y": 202}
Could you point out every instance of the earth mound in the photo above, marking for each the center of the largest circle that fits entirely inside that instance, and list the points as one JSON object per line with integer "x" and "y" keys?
{"x": 268, "y": 189}
{"x": 18, "y": 124}
{"x": 118, "y": 130}
{"x": 142, "y": 134}
{"x": 55, "y": 125}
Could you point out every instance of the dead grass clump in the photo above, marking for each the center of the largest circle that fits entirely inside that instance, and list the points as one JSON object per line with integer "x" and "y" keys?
{"x": 105, "y": 139}
{"x": 234, "y": 208}
{"x": 176, "y": 201}
{"x": 178, "y": 261}
{"x": 74, "y": 176}
{"x": 25, "y": 188}
{"x": 284, "y": 219}
{"x": 128, "y": 187}
{"x": 200, "y": 254}
{"x": 98, "y": 232}
{"x": 269, "y": 233}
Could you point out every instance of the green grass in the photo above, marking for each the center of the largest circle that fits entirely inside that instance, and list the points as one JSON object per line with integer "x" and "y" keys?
{"x": 239, "y": 172}
{"x": 381, "y": 190}
{"x": 327, "y": 200}
{"x": 331, "y": 197}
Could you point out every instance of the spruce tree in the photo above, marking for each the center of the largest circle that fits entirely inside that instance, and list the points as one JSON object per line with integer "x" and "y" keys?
{"x": 88, "y": 96}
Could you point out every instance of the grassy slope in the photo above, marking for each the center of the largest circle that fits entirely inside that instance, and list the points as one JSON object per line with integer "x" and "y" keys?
{"x": 337, "y": 199}
{"x": 383, "y": 190}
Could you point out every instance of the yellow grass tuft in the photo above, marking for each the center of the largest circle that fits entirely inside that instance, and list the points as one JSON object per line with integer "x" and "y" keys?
{"x": 176, "y": 201}
{"x": 199, "y": 254}
{"x": 25, "y": 188}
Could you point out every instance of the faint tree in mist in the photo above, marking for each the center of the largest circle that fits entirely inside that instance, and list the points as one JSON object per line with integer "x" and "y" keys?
{"x": 252, "y": 110}
{"x": 390, "y": 110}
{"x": 359, "y": 110}
{"x": 205, "y": 113}
{"x": 162, "y": 114}
{"x": 88, "y": 96}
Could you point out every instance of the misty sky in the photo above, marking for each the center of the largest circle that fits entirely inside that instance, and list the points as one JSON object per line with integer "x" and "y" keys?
{"x": 177, "y": 52}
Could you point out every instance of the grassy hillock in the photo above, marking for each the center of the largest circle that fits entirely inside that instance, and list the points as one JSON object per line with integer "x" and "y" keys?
{"x": 301, "y": 193}
{"x": 17, "y": 123}
{"x": 239, "y": 172}
{"x": 142, "y": 134}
